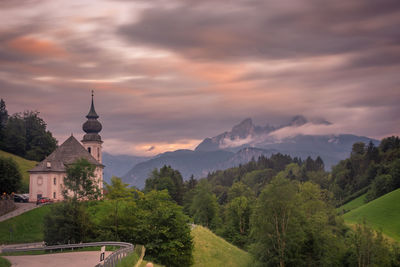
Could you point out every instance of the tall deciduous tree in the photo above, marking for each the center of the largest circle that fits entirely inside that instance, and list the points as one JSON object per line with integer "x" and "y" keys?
{"x": 293, "y": 224}
{"x": 204, "y": 207}
{"x": 80, "y": 182}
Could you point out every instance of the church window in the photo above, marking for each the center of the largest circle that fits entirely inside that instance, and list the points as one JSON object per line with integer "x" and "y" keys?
{"x": 89, "y": 150}
{"x": 54, "y": 194}
{"x": 48, "y": 164}
{"x": 98, "y": 154}
{"x": 55, "y": 180}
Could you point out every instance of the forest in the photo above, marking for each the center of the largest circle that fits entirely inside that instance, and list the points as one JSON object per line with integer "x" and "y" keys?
{"x": 283, "y": 209}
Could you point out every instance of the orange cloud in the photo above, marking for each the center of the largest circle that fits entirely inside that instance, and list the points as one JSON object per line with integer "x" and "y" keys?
{"x": 37, "y": 47}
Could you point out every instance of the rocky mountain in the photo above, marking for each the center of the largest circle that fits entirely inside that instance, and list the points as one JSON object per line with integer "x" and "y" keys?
{"x": 118, "y": 165}
{"x": 300, "y": 137}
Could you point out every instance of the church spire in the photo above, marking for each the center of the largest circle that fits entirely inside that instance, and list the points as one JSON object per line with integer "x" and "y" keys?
{"x": 92, "y": 112}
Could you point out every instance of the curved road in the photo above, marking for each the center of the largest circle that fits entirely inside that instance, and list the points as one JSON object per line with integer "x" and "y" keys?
{"x": 76, "y": 259}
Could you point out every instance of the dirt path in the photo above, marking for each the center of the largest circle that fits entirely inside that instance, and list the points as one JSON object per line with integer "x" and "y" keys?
{"x": 21, "y": 208}
{"x": 76, "y": 259}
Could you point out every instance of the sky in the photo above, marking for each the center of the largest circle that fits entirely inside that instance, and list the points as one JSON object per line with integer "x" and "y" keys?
{"x": 167, "y": 74}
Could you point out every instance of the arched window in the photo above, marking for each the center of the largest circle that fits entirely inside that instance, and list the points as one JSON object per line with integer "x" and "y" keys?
{"x": 55, "y": 180}
{"x": 89, "y": 150}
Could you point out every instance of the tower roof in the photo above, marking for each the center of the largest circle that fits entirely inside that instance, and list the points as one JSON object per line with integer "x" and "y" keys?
{"x": 92, "y": 112}
{"x": 64, "y": 155}
{"x": 92, "y": 126}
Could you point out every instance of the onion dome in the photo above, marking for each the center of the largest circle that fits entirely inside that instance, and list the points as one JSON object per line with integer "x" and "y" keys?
{"x": 92, "y": 126}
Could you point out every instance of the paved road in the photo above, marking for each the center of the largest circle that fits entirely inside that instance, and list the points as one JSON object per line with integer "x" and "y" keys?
{"x": 21, "y": 208}
{"x": 75, "y": 259}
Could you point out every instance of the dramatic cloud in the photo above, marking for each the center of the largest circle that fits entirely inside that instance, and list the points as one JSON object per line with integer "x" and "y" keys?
{"x": 167, "y": 74}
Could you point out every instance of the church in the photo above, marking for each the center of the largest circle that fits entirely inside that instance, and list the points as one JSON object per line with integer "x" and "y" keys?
{"x": 46, "y": 179}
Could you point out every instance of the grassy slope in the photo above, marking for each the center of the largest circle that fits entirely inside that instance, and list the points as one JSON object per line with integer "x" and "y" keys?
{"x": 211, "y": 250}
{"x": 4, "y": 262}
{"x": 382, "y": 214}
{"x": 24, "y": 166}
{"x": 27, "y": 227}
{"x": 355, "y": 203}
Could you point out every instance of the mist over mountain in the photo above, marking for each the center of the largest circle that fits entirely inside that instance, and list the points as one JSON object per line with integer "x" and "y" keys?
{"x": 300, "y": 137}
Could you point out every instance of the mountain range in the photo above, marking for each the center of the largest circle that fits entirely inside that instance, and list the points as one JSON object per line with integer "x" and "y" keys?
{"x": 299, "y": 137}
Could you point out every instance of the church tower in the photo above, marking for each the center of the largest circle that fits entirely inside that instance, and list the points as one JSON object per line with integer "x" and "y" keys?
{"x": 92, "y": 140}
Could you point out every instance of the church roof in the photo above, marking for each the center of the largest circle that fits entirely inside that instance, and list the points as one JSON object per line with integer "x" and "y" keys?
{"x": 65, "y": 154}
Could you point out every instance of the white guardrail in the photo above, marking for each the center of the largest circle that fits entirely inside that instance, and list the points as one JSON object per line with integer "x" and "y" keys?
{"x": 111, "y": 261}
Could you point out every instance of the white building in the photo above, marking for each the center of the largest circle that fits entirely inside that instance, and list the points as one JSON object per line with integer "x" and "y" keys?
{"x": 46, "y": 179}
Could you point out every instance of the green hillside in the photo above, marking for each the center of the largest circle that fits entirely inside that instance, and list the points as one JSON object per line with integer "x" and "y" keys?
{"x": 211, "y": 250}
{"x": 25, "y": 228}
{"x": 382, "y": 214}
{"x": 355, "y": 203}
{"x": 24, "y": 166}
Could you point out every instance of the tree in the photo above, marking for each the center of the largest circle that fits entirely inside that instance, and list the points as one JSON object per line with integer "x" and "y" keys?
{"x": 155, "y": 221}
{"x": 204, "y": 208}
{"x": 3, "y": 120}
{"x": 15, "y": 136}
{"x": 10, "y": 176}
{"x": 294, "y": 224}
{"x": 381, "y": 185}
{"x": 25, "y": 135}
{"x": 368, "y": 247}
{"x": 69, "y": 220}
{"x": 80, "y": 182}
{"x": 276, "y": 225}
{"x": 39, "y": 141}
{"x": 169, "y": 179}
{"x": 117, "y": 194}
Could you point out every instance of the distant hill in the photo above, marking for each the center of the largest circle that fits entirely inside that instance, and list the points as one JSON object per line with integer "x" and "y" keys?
{"x": 381, "y": 214}
{"x": 188, "y": 162}
{"x": 24, "y": 165}
{"x": 118, "y": 165}
{"x": 212, "y": 250}
{"x": 246, "y": 141}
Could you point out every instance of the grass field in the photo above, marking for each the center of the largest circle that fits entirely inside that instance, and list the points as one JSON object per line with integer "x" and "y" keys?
{"x": 355, "y": 203}
{"x": 382, "y": 214}
{"x": 211, "y": 250}
{"x": 4, "y": 262}
{"x": 24, "y": 166}
{"x": 25, "y": 228}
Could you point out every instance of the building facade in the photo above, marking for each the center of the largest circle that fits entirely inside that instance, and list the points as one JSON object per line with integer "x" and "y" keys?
{"x": 46, "y": 179}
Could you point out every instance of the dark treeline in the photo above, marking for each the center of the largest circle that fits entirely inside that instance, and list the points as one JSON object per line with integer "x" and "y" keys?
{"x": 24, "y": 134}
{"x": 369, "y": 168}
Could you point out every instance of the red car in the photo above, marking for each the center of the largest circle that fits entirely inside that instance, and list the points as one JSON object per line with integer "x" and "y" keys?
{"x": 43, "y": 200}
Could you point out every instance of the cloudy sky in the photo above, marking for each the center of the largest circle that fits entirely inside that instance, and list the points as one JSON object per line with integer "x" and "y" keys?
{"x": 167, "y": 74}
